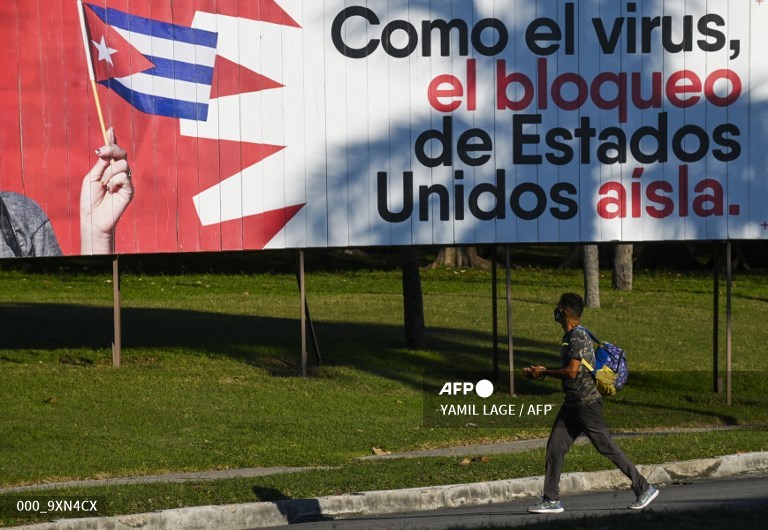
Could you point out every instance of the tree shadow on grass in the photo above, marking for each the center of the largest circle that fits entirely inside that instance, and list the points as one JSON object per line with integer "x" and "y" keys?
{"x": 674, "y": 397}
{"x": 78, "y": 335}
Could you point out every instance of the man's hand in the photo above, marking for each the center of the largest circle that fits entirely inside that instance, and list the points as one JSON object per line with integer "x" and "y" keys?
{"x": 106, "y": 192}
{"x": 534, "y": 371}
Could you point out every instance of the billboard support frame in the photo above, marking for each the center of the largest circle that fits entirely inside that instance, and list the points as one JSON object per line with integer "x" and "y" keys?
{"x": 717, "y": 384}
{"x": 728, "y": 320}
{"x": 495, "y": 314}
{"x": 510, "y": 345}
{"x": 117, "y": 316}
{"x": 303, "y": 316}
{"x": 306, "y": 319}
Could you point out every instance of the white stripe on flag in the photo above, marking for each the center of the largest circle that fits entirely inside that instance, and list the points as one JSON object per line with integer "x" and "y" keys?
{"x": 167, "y": 88}
{"x": 170, "y": 49}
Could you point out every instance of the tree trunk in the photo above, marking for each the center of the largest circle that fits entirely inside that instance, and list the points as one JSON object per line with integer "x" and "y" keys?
{"x": 413, "y": 303}
{"x": 459, "y": 257}
{"x": 622, "y": 267}
{"x": 591, "y": 276}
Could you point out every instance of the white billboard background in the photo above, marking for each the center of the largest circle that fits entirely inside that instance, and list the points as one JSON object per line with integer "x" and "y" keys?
{"x": 344, "y": 121}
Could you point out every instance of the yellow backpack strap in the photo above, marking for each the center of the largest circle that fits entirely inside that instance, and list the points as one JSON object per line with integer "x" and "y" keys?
{"x": 589, "y": 366}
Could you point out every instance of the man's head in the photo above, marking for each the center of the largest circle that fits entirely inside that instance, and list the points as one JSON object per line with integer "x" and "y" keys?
{"x": 569, "y": 309}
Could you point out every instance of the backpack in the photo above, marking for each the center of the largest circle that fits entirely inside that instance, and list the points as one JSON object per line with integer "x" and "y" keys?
{"x": 611, "y": 368}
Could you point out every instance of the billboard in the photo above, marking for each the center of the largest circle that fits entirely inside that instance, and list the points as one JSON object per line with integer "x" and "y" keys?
{"x": 269, "y": 124}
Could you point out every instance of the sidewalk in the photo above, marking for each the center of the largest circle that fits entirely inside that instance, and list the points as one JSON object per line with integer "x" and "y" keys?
{"x": 267, "y": 514}
{"x": 458, "y": 451}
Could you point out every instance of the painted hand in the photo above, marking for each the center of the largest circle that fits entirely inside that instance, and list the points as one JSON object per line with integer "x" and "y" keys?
{"x": 106, "y": 192}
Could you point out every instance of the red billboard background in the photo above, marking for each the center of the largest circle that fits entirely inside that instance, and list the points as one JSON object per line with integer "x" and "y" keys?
{"x": 50, "y": 129}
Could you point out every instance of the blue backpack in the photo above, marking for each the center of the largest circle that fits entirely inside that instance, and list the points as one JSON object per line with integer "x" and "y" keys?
{"x": 611, "y": 368}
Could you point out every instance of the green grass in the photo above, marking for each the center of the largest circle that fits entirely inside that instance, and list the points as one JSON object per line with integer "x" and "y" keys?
{"x": 358, "y": 476}
{"x": 210, "y": 363}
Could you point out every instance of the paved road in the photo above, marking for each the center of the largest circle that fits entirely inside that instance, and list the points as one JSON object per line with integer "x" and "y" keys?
{"x": 741, "y": 493}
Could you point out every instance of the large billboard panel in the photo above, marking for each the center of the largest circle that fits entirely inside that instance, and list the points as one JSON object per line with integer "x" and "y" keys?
{"x": 257, "y": 124}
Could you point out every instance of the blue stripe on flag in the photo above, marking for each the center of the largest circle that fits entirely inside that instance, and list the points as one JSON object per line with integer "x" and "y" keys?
{"x": 154, "y": 28}
{"x": 194, "y": 73}
{"x": 159, "y": 106}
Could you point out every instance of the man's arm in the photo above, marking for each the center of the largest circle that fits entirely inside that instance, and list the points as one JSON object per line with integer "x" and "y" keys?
{"x": 569, "y": 372}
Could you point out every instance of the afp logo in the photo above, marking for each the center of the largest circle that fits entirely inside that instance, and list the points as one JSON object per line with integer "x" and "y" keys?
{"x": 482, "y": 388}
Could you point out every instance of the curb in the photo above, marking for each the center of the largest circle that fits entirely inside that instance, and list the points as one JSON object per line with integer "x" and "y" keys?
{"x": 267, "y": 514}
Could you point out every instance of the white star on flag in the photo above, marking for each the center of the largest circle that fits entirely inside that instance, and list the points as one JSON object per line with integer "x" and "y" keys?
{"x": 105, "y": 52}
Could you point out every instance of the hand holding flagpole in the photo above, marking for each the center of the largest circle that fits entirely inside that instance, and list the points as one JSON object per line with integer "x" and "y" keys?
{"x": 107, "y": 189}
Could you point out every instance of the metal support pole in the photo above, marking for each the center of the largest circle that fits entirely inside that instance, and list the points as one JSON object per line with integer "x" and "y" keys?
{"x": 308, "y": 322}
{"x": 495, "y": 315}
{"x": 728, "y": 323}
{"x": 716, "y": 384}
{"x": 509, "y": 324}
{"x": 117, "y": 343}
{"x": 313, "y": 334}
{"x": 303, "y": 316}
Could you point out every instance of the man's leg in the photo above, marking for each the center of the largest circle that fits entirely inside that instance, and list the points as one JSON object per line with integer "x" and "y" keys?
{"x": 564, "y": 432}
{"x": 593, "y": 425}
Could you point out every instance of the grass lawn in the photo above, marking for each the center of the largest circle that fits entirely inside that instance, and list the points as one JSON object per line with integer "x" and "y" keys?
{"x": 210, "y": 362}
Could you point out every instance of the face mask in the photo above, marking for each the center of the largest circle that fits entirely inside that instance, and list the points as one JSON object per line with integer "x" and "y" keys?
{"x": 559, "y": 315}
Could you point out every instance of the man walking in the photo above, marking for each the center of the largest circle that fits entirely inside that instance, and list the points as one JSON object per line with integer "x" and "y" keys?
{"x": 582, "y": 412}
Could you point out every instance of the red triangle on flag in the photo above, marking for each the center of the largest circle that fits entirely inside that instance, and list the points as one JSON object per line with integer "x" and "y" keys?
{"x": 230, "y": 78}
{"x": 111, "y": 55}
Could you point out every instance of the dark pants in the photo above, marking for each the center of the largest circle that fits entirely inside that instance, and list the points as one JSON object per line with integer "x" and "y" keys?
{"x": 572, "y": 420}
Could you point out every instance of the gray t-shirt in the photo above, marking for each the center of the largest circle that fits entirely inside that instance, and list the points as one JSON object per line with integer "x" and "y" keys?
{"x": 31, "y": 227}
{"x": 577, "y": 345}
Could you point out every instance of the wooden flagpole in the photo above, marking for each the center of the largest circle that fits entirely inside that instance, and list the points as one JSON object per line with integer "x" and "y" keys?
{"x": 91, "y": 70}
{"x": 116, "y": 303}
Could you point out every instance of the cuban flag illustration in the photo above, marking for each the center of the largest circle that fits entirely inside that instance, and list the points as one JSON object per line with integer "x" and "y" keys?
{"x": 159, "y": 68}
{"x": 177, "y": 76}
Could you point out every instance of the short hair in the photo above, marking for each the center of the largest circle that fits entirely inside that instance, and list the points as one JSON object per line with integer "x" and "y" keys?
{"x": 572, "y": 303}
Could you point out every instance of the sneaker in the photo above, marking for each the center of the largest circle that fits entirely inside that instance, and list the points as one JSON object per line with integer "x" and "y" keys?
{"x": 645, "y": 499}
{"x": 546, "y": 506}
